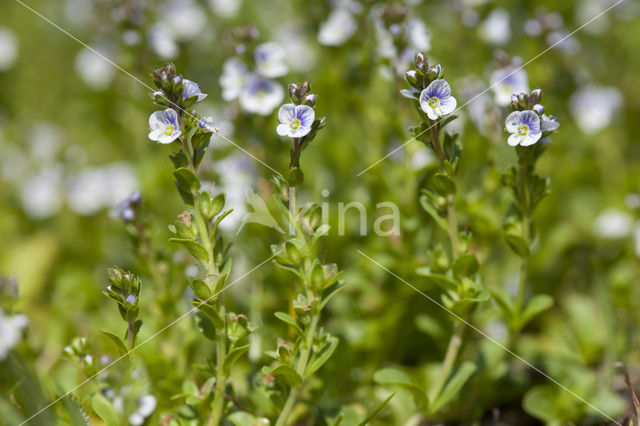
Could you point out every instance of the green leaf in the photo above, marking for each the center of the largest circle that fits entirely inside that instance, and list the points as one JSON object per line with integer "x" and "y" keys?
{"x": 538, "y": 304}
{"x": 433, "y": 212}
{"x": 539, "y": 402}
{"x": 329, "y": 292}
{"x": 77, "y": 416}
{"x": 194, "y": 247}
{"x": 260, "y": 214}
{"x": 290, "y": 320}
{"x": 437, "y": 279}
{"x": 393, "y": 376}
{"x": 104, "y": 409}
{"x": 242, "y": 418}
{"x": 288, "y": 374}
{"x": 201, "y": 290}
{"x": 465, "y": 265}
{"x": 186, "y": 179}
{"x": 233, "y": 356}
{"x": 296, "y": 177}
{"x": 323, "y": 356}
{"x": 453, "y": 386}
{"x": 504, "y": 301}
{"x": 122, "y": 348}
{"x": 372, "y": 414}
{"x": 9, "y": 413}
{"x": 443, "y": 184}
{"x": 210, "y": 313}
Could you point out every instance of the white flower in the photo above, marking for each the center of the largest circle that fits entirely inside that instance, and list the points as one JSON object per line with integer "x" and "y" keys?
{"x": 295, "y": 120}
{"x": 613, "y": 224}
{"x": 296, "y": 45}
{"x": 234, "y": 73}
{"x": 42, "y": 194}
{"x": 417, "y": 35}
{"x": 508, "y": 81}
{"x": 190, "y": 89}
{"x": 225, "y": 8}
{"x": 97, "y": 188}
{"x": 269, "y": 59}
{"x": 436, "y": 99}
{"x": 94, "y": 70}
{"x": 184, "y": 18}
{"x": 162, "y": 42}
{"x": 495, "y": 29}
{"x": 524, "y": 127}
{"x": 8, "y": 49}
{"x": 260, "y": 95}
{"x": 593, "y": 107}
{"x": 164, "y": 126}
{"x": 10, "y": 332}
{"x": 337, "y": 29}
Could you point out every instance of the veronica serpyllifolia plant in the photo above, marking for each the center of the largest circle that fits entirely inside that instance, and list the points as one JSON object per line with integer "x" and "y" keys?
{"x": 196, "y": 229}
{"x": 529, "y": 129}
{"x": 455, "y": 269}
{"x": 296, "y": 360}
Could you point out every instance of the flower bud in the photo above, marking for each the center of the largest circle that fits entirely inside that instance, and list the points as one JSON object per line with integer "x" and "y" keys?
{"x": 535, "y": 96}
{"x": 412, "y": 77}
{"x": 293, "y": 90}
{"x": 539, "y": 109}
{"x": 434, "y": 72}
{"x": 304, "y": 88}
{"x": 310, "y": 99}
{"x": 421, "y": 60}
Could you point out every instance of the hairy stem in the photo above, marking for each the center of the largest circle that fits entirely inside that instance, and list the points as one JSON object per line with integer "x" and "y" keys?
{"x": 211, "y": 270}
{"x": 526, "y": 223}
{"x": 449, "y": 360}
{"x": 300, "y": 368}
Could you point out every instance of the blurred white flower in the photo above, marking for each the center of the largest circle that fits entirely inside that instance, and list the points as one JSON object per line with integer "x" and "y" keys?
{"x": 42, "y": 194}
{"x": 225, "y": 8}
{"x": 184, "y": 18}
{"x": 508, "y": 81}
{"x": 613, "y": 224}
{"x": 593, "y": 107}
{"x": 162, "y": 42}
{"x": 495, "y": 28}
{"x": 269, "y": 58}
{"x": 297, "y": 47}
{"x": 338, "y": 28}
{"x": 237, "y": 173}
{"x": 636, "y": 239}
{"x": 479, "y": 104}
{"x": 234, "y": 73}
{"x": 78, "y": 12}
{"x": 98, "y": 188}
{"x": 260, "y": 95}
{"x": 10, "y": 332}
{"x": 147, "y": 404}
{"x": 94, "y": 70}
{"x": 559, "y": 40}
{"x": 417, "y": 35}
{"x": 44, "y": 142}
{"x": 8, "y": 49}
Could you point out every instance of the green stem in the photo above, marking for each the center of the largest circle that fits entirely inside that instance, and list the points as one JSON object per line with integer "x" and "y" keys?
{"x": 211, "y": 269}
{"x": 456, "y": 338}
{"x": 130, "y": 334}
{"x": 526, "y": 223}
{"x": 449, "y": 360}
{"x": 301, "y": 367}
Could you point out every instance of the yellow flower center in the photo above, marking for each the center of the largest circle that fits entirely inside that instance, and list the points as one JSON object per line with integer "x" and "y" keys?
{"x": 434, "y": 102}
{"x": 295, "y": 124}
{"x": 168, "y": 130}
{"x": 523, "y": 130}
